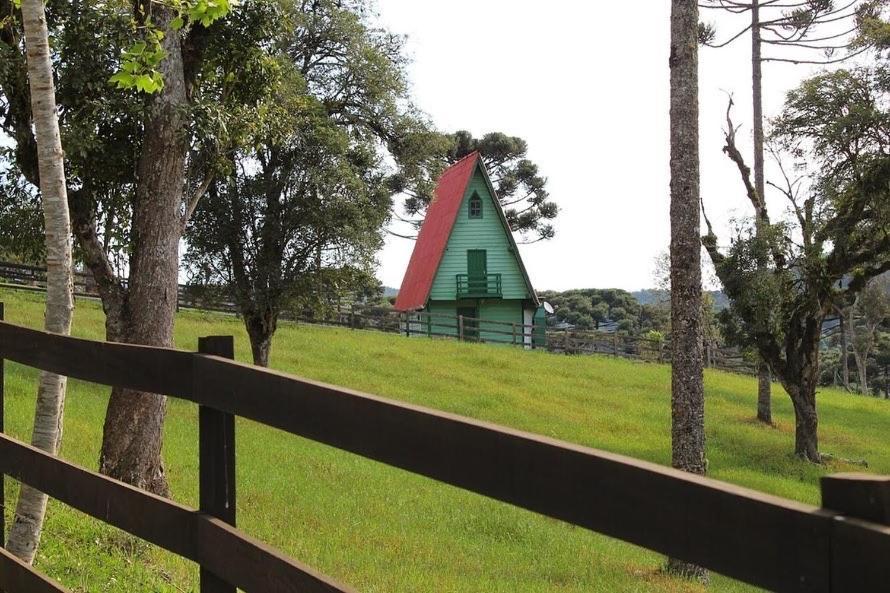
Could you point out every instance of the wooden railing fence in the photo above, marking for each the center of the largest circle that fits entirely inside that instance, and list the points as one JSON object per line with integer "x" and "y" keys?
{"x": 359, "y": 316}
{"x": 764, "y": 540}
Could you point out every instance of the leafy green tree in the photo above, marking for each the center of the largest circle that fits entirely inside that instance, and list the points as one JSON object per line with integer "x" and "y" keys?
{"x": 302, "y": 205}
{"x": 128, "y": 157}
{"x": 868, "y": 314}
{"x": 817, "y": 32}
{"x": 600, "y": 313}
{"x": 785, "y": 277}
{"x": 589, "y": 308}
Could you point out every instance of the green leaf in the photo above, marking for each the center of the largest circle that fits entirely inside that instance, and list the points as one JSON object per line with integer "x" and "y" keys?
{"x": 123, "y": 80}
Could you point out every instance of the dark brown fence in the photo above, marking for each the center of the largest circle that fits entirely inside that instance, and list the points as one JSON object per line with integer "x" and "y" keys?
{"x": 33, "y": 278}
{"x": 763, "y": 540}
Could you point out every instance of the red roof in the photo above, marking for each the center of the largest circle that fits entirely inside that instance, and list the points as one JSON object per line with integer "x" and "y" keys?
{"x": 434, "y": 233}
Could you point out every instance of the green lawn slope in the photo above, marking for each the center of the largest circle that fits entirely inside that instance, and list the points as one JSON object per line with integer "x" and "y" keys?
{"x": 380, "y": 529}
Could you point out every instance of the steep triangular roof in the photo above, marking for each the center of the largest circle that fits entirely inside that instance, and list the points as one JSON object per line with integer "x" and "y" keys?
{"x": 436, "y": 230}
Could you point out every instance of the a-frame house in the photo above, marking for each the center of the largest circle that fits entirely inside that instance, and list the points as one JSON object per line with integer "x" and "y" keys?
{"x": 465, "y": 261}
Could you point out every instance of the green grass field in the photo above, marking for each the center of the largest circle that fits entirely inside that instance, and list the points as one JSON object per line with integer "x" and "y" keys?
{"x": 380, "y": 529}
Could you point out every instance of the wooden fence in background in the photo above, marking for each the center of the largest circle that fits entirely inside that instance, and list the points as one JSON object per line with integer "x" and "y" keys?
{"x": 359, "y": 316}
{"x": 763, "y": 540}
{"x": 563, "y": 341}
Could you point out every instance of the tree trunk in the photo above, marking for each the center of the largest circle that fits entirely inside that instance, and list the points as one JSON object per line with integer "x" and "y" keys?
{"x": 687, "y": 390}
{"x": 260, "y": 329}
{"x": 24, "y": 536}
{"x": 862, "y": 371}
{"x": 764, "y": 383}
{"x": 887, "y": 382}
{"x": 764, "y": 393}
{"x": 845, "y": 351}
{"x": 133, "y": 431}
{"x": 800, "y": 377}
{"x": 806, "y": 422}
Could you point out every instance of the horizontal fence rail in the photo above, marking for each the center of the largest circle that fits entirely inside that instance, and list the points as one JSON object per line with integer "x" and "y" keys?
{"x": 169, "y": 525}
{"x": 764, "y": 540}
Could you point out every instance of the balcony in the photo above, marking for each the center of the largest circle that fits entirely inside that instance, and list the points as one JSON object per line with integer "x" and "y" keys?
{"x": 483, "y": 286}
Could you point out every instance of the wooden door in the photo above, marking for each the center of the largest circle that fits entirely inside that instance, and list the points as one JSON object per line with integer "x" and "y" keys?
{"x": 477, "y": 269}
{"x": 470, "y": 323}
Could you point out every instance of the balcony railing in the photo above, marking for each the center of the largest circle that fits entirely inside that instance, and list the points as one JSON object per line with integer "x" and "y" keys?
{"x": 482, "y": 286}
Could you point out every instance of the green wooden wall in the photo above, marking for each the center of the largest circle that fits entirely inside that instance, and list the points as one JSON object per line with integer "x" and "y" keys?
{"x": 509, "y": 311}
{"x": 479, "y": 233}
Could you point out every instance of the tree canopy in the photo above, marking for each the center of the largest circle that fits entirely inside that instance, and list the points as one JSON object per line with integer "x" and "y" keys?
{"x": 517, "y": 180}
{"x": 784, "y": 276}
{"x": 300, "y": 207}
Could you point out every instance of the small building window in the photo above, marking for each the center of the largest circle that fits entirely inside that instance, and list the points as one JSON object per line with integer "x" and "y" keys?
{"x": 475, "y": 207}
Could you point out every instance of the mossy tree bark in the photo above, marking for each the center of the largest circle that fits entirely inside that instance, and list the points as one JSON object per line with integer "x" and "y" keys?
{"x": 132, "y": 435}
{"x": 687, "y": 389}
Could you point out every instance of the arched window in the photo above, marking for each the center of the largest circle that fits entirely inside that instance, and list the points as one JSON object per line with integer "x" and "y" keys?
{"x": 475, "y": 207}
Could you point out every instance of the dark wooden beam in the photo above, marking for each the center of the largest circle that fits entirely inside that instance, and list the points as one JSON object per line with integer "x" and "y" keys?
{"x": 860, "y": 549}
{"x": 172, "y": 526}
{"x": 216, "y": 447}
{"x": 18, "y": 577}
{"x": 863, "y": 496}
{"x": 767, "y": 541}
{"x": 142, "y": 368}
{"x": 2, "y": 430}
{"x": 764, "y": 540}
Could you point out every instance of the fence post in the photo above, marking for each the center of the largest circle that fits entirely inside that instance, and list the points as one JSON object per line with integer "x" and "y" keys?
{"x": 856, "y": 496}
{"x": 514, "y": 333}
{"x": 862, "y": 496}
{"x": 2, "y": 429}
{"x": 216, "y": 444}
{"x": 615, "y": 342}
{"x": 460, "y": 328}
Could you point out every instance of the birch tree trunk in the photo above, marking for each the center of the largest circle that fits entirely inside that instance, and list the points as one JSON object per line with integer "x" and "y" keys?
{"x": 30, "y": 511}
{"x": 687, "y": 389}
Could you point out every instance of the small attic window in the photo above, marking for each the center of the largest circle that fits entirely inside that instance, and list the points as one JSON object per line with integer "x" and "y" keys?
{"x": 475, "y": 206}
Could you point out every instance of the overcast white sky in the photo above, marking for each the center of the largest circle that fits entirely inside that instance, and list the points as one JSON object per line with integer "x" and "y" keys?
{"x": 586, "y": 84}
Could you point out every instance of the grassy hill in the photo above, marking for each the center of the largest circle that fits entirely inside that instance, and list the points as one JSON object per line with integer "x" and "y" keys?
{"x": 382, "y": 529}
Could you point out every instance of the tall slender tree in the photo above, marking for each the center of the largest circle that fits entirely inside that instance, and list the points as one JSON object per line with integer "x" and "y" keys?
{"x": 687, "y": 380}
{"x": 805, "y": 31}
{"x": 30, "y": 511}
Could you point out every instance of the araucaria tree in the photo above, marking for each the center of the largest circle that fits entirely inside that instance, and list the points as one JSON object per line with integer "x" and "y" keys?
{"x": 520, "y": 187}
{"x": 307, "y": 197}
{"x": 784, "y": 277}
{"x": 802, "y": 31}
{"x": 687, "y": 380}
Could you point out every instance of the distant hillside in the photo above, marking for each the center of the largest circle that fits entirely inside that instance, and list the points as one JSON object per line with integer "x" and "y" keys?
{"x": 389, "y": 291}
{"x": 652, "y": 296}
